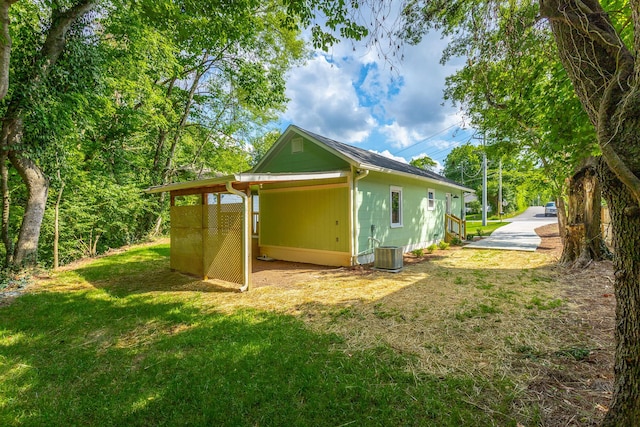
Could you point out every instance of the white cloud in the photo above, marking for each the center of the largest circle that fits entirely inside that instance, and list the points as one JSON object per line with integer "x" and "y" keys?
{"x": 323, "y": 100}
{"x": 355, "y": 97}
{"x": 399, "y": 136}
{"x": 443, "y": 144}
{"x": 419, "y": 103}
{"x": 388, "y": 155}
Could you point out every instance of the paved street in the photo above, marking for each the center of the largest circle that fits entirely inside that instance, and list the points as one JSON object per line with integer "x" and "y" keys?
{"x": 519, "y": 235}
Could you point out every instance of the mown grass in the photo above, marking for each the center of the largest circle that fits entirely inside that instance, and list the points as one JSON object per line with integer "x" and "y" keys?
{"x": 476, "y": 227}
{"x": 124, "y": 341}
{"x": 494, "y": 216}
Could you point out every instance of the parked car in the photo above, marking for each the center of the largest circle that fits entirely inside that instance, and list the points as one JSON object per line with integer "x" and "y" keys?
{"x": 550, "y": 209}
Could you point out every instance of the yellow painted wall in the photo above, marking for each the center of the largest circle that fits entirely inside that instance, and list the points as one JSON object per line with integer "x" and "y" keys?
{"x": 186, "y": 239}
{"x": 206, "y": 241}
{"x": 222, "y": 241}
{"x": 308, "y": 218}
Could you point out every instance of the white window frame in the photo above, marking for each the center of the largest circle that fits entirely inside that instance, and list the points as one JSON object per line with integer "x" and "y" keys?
{"x": 431, "y": 199}
{"x": 394, "y": 189}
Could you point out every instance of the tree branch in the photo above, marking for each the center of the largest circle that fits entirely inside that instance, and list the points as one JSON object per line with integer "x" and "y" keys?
{"x": 56, "y": 39}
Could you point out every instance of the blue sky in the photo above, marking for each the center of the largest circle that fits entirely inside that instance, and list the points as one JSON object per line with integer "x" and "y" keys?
{"x": 352, "y": 96}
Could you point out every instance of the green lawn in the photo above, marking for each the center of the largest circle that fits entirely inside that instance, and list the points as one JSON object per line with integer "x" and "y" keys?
{"x": 493, "y": 217}
{"x": 123, "y": 341}
{"x": 112, "y": 355}
{"x": 476, "y": 228}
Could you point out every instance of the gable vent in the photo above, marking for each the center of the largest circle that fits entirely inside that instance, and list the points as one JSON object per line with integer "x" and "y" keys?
{"x": 296, "y": 145}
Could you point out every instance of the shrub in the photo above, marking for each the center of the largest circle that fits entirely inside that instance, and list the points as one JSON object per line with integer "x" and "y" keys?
{"x": 418, "y": 252}
{"x": 432, "y": 248}
{"x": 456, "y": 241}
{"x": 443, "y": 245}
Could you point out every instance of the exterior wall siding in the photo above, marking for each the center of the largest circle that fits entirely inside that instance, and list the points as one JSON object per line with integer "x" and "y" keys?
{"x": 309, "y": 218}
{"x": 420, "y": 226}
{"x": 312, "y": 158}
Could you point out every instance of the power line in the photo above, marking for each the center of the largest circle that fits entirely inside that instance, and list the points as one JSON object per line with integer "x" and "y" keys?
{"x": 429, "y": 137}
{"x": 434, "y": 154}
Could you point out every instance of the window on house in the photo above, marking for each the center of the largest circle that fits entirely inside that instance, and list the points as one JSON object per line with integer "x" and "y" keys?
{"x": 255, "y": 206}
{"x": 431, "y": 199}
{"x": 396, "y": 206}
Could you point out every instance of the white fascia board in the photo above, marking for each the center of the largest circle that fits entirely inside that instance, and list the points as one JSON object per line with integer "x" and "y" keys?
{"x": 410, "y": 175}
{"x": 279, "y": 177}
{"x": 191, "y": 184}
{"x": 255, "y": 178}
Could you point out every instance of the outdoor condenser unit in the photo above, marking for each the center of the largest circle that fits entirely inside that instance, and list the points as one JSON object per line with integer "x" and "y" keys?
{"x": 388, "y": 258}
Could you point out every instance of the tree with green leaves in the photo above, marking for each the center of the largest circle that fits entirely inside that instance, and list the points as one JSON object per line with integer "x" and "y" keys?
{"x": 598, "y": 57}
{"x": 178, "y": 84}
{"x": 24, "y": 99}
{"x": 424, "y": 162}
{"x": 524, "y": 103}
{"x": 522, "y": 181}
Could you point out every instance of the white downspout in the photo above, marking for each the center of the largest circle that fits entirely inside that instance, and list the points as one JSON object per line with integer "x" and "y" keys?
{"x": 357, "y": 176}
{"x": 246, "y": 264}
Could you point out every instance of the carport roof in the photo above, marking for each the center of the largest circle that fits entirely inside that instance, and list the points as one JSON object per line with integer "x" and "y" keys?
{"x": 248, "y": 178}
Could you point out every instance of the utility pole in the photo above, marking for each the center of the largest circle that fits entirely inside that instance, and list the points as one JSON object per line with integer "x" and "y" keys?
{"x": 500, "y": 190}
{"x": 484, "y": 187}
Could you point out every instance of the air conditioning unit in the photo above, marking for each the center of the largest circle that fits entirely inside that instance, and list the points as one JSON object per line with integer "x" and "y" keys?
{"x": 388, "y": 258}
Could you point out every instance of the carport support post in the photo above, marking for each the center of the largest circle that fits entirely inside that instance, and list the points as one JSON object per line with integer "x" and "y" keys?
{"x": 246, "y": 233}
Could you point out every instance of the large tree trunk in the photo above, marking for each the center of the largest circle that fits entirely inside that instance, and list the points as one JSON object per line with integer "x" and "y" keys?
{"x": 26, "y": 250}
{"x": 561, "y": 207}
{"x": 605, "y": 76}
{"x": 625, "y": 408}
{"x": 583, "y": 240}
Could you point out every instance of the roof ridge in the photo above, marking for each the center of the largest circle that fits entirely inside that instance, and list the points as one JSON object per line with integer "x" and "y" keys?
{"x": 416, "y": 169}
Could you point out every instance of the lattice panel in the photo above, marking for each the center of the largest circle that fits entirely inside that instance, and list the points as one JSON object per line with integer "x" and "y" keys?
{"x": 222, "y": 244}
{"x": 186, "y": 239}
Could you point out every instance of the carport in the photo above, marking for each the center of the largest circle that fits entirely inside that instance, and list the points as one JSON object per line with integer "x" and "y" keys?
{"x": 214, "y": 222}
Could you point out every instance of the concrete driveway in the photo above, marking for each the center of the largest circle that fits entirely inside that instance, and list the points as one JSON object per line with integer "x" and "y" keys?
{"x": 519, "y": 235}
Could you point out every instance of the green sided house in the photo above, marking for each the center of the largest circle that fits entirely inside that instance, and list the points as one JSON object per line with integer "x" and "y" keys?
{"x": 310, "y": 199}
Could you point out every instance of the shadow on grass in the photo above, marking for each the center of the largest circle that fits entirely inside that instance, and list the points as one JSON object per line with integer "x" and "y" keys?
{"x": 91, "y": 358}
{"x": 140, "y": 270}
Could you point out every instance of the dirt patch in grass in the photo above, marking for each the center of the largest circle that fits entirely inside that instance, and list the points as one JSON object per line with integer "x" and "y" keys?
{"x": 287, "y": 274}
{"x": 573, "y": 384}
{"x": 551, "y": 242}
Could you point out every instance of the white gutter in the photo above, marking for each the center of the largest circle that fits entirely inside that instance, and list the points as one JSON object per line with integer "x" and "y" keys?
{"x": 246, "y": 248}
{"x": 357, "y": 176}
